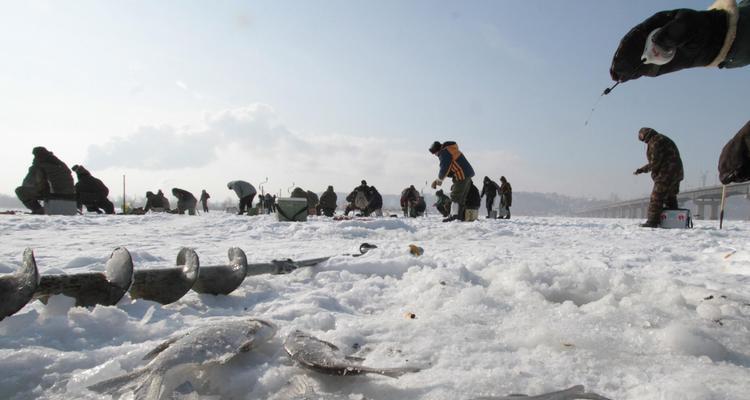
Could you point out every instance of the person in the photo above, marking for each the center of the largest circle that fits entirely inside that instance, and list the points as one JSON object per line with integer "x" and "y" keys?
{"x": 453, "y": 164}
{"x": 269, "y": 200}
{"x": 409, "y": 198}
{"x": 358, "y": 199}
{"x": 299, "y": 193}
{"x": 375, "y": 204}
{"x": 47, "y": 178}
{"x": 156, "y": 202}
{"x": 665, "y": 165}
{"x": 489, "y": 189}
{"x": 33, "y": 189}
{"x": 443, "y": 203}
{"x": 506, "y": 197}
{"x": 204, "y": 200}
{"x": 185, "y": 201}
{"x": 473, "y": 202}
{"x": 312, "y": 203}
{"x": 734, "y": 161}
{"x": 275, "y": 206}
{"x": 718, "y": 37}
{"x": 245, "y": 191}
{"x": 91, "y": 192}
{"x": 420, "y": 206}
{"x": 328, "y": 202}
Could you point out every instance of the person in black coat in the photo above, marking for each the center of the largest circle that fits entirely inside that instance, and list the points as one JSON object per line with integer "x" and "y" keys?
{"x": 156, "y": 202}
{"x": 91, "y": 192}
{"x": 375, "y": 203}
{"x": 489, "y": 188}
{"x": 48, "y": 178}
{"x": 185, "y": 201}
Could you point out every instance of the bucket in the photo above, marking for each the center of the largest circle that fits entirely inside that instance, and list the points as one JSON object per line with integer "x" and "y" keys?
{"x": 679, "y": 218}
{"x": 291, "y": 209}
{"x": 60, "y": 207}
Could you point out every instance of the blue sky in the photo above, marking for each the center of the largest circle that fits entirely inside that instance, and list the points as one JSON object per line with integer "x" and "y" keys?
{"x": 194, "y": 94}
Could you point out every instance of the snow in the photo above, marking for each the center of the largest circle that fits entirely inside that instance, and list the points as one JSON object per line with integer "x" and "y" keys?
{"x": 528, "y": 305}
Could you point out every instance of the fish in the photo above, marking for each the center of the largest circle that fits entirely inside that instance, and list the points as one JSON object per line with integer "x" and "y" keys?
{"x": 324, "y": 357}
{"x": 198, "y": 349}
{"x": 576, "y": 392}
{"x": 17, "y": 289}
{"x": 301, "y": 387}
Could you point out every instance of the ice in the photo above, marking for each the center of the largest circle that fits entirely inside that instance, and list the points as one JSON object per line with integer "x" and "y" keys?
{"x": 528, "y": 305}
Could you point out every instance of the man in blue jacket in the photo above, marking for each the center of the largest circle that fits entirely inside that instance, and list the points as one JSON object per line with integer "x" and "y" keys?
{"x": 453, "y": 164}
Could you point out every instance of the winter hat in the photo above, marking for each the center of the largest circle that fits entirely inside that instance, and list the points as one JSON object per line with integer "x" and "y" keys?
{"x": 502, "y": 178}
{"x": 330, "y": 188}
{"x": 149, "y": 194}
{"x": 364, "y": 182}
{"x": 435, "y": 147}
{"x": 644, "y": 134}
{"x": 39, "y": 151}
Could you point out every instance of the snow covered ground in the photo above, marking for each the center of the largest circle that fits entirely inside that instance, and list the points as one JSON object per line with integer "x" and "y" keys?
{"x": 529, "y": 305}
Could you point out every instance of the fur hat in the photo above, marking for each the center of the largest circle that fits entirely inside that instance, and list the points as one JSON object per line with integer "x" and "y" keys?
{"x": 435, "y": 147}
{"x": 644, "y": 134}
{"x": 364, "y": 182}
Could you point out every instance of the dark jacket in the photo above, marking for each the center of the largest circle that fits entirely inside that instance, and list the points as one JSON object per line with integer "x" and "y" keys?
{"x": 506, "y": 193}
{"x": 360, "y": 196}
{"x": 489, "y": 188}
{"x": 183, "y": 196}
{"x": 328, "y": 199}
{"x": 420, "y": 206}
{"x": 156, "y": 201}
{"x": 376, "y": 200}
{"x": 87, "y": 184}
{"x": 664, "y": 160}
{"x": 299, "y": 193}
{"x": 53, "y": 171}
{"x": 312, "y": 199}
{"x": 409, "y": 195}
{"x": 734, "y": 162}
{"x": 472, "y": 199}
{"x": 453, "y": 163}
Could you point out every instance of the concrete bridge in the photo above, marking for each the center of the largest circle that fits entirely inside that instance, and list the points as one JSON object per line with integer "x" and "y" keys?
{"x": 704, "y": 199}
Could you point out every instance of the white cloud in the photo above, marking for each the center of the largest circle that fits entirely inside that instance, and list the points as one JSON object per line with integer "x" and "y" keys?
{"x": 250, "y": 143}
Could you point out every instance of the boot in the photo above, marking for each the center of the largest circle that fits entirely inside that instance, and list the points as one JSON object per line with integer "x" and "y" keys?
{"x": 451, "y": 218}
{"x": 650, "y": 224}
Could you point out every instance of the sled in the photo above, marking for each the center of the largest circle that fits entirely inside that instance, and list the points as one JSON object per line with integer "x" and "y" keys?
{"x": 18, "y": 289}
{"x": 92, "y": 288}
{"x": 167, "y": 285}
{"x": 223, "y": 279}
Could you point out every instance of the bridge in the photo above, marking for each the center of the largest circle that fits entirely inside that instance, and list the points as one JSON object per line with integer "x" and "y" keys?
{"x": 708, "y": 197}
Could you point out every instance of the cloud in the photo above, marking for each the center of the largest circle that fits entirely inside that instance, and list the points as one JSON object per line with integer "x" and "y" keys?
{"x": 250, "y": 142}
{"x": 181, "y": 85}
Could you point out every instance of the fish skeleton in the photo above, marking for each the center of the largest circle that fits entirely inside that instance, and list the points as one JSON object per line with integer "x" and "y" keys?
{"x": 199, "y": 348}
{"x": 318, "y": 355}
{"x": 576, "y": 392}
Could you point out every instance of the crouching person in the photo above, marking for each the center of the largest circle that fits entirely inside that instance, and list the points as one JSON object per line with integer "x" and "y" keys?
{"x": 48, "y": 178}
{"x": 185, "y": 201}
{"x": 328, "y": 202}
{"x": 91, "y": 192}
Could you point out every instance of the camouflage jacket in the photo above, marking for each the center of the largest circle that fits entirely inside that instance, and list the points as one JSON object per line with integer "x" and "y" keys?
{"x": 664, "y": 160}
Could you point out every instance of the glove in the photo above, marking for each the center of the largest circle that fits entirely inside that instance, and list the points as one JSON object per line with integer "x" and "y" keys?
{"x": 638, "y": 171}
{"x": 436, "y": 183}
{"x": 698, "y": 37}
{"x": 734, "y": 162}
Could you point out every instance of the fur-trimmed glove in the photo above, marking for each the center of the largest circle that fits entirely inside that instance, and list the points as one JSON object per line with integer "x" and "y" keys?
{"x": 436, "y": 183}
{"x": 698, "y": 37}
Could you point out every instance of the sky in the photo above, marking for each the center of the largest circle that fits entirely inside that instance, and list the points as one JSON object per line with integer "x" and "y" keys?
{"x": 194, "y": 94}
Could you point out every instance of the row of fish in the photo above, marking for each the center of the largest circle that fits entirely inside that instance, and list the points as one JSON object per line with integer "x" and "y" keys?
{"x": 184, "y": 356}
{"x": 163, "y": 285}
